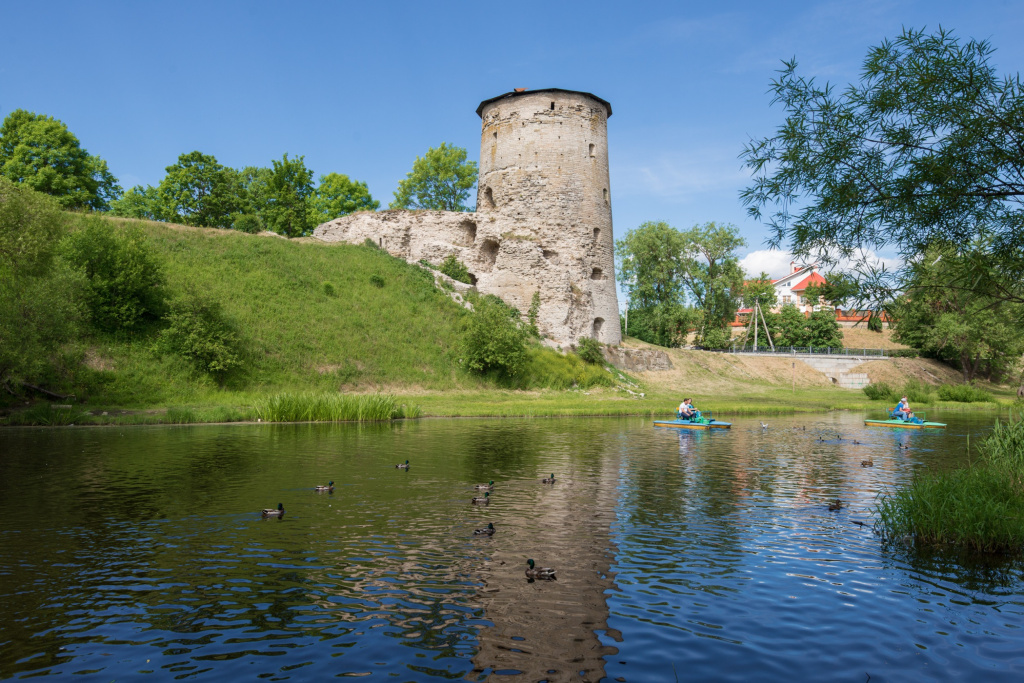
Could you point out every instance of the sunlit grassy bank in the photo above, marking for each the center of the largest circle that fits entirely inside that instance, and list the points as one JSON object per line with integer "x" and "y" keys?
{"x": 976, "y": 508}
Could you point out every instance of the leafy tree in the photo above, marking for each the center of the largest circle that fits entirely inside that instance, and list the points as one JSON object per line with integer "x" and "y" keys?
{"x": 789, "y": 327}
{"x": 198, "y": 331}
{"x": 924, "y": 151}
{"x": 874, "y": 322}
{"x": 495, "y": 339}
{"x": 336, "y": 195}
{"x": 759, "y": 290}
{"x": 39, "y": 294}
{"x": 972, "y": 329}
{"x": 289, "y": 186}
{"x": 650, "y": 267}
{"x": 711, "y": 273}
{"x": 125, "y": 280}
{"x": 199, "y": 191}
{"x": 823, "y": 330}
{"x": 42, "y": 153}
{"x": 255, "y": 191}
{"x": 439, "y": 180}
{"x": 138, "y": 202}
{"x": 665, "y": 325}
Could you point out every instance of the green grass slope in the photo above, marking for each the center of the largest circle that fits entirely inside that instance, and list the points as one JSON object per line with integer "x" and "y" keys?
{"x": 311, "y": 316}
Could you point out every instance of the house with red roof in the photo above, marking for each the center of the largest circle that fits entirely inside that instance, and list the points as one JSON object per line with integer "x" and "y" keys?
{"x": 792, "y": 288}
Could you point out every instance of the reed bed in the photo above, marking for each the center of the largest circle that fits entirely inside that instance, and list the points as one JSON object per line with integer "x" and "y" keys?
{"x": 977, "y": 508}
{"x": 328, "y": 407}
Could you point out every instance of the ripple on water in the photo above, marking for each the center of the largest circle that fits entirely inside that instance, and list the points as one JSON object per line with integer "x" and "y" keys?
{"x": 679, "y": 555}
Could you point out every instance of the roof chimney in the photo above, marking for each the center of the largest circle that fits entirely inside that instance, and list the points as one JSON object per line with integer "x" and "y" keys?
{"x": 792, "y": 267}
{"x": 520, "y": 89}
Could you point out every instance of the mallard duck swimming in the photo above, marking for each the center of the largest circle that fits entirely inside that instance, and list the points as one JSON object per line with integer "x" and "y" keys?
{"x": 329, "y": 488}
{"x": 867, "y": 463}
{"x": 271, "y": 512}
{"x": 545, "y": 573}
{"x": 548, "y": 480}
{"x": 486, "y": 531}
{"x": 485, "y": 487}
{"x": 403, "y": 466}
{"x": 486, "y": 500}
{"x": 835, "y": 505}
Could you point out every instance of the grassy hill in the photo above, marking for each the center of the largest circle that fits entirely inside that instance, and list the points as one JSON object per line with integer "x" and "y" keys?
{"x": 310, "y": 316}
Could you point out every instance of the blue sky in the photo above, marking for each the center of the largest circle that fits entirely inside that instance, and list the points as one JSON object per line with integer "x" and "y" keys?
{"x": 363, "y": 88}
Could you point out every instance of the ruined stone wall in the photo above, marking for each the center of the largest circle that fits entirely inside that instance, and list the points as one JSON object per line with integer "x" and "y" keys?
{"x": 543, "y": 221}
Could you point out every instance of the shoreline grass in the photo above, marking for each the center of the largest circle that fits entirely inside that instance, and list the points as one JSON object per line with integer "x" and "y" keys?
{"x": 976, "y": 508}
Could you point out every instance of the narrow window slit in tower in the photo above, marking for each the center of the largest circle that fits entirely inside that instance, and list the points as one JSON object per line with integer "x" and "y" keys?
{"x": 591, "y": 149}
{"x": 495, "y": 134}
{"x": 606, "y": 195}
{"x": 552, "y": 106}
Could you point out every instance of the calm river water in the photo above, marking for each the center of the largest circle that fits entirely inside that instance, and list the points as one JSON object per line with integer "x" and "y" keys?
{"x": 141, "y": 552}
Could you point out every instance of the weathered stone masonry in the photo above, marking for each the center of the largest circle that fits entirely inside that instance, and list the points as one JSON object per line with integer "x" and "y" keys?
{"x": 543, "y": 221}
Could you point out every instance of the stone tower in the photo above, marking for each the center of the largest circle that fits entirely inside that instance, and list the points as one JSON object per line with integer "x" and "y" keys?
{"x": 544, "y": 176}
{"x": 543, "y": 223}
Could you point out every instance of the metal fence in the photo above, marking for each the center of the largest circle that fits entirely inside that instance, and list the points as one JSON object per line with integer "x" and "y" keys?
{"x": 809, "y": 350}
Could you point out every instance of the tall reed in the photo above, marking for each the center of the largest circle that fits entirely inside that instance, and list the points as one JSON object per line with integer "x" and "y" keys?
{"x": 330, "y": 407}
{"x": 979, "y": 507}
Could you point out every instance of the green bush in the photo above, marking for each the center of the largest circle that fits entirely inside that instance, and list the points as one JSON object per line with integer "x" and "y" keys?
{"x": 377, "y": 280}
{"x": 665, "y": 325}
{"x": 915, "y": 391}
{"x": 125, "y": 279}
{"x": 874, "y": 323}
{"x": 249, "y": 223}
{"x": 534, "y": 313}
{"x": 198, "y": 331}
{"x": 329, "y": 289}
{"x": 879, "y": 392}
{"x": 455, "y": 269}
{"x": 964, "y": 393}
{"x": 716, "y": 338}
{"x": 590, "y": 351}
{"x": 495, "y": 338}
{"x": 903, "y": 353}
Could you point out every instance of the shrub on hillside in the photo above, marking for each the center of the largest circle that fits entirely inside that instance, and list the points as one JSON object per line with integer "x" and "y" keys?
{"x": 377, "y": 280}
{"x": 716, "y": 338}
{"x": 456, "y": 269}
{"x": 125, "y": 279}
{"x": 915, "y": 391}
{"x": 329, "y": 289}
{"x": 590, "y": 351}
{"x": 904, "y": 353}
{"x": 198, "y": 331}
{"x": 874, "y": 323}
{"x": 495, "y": 338}
{"x": 249, "y": 223}
{"x": 964, "y": 393}
{"x": 40, "y": 296}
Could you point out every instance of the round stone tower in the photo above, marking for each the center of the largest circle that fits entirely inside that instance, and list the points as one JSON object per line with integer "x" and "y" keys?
{"x": 544, "y": 184}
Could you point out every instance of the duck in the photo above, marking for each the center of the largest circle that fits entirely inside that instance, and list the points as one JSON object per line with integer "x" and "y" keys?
{"x": 835, "y": 505}
{"x": 486, "y": 531}
{"x": 856, "y": 443}
{"x": 486, "y": 500}
{"x": 867, "y": 463}
{"x": 271, "y": 512}
{"x": 764, "y": 426}
{"x": 544, "y": 573}
{"x": 403, "y": 466}
{"x": 548, "y": 480}
{"x": 485, "y": 487}
{"x": 329, "y": 488}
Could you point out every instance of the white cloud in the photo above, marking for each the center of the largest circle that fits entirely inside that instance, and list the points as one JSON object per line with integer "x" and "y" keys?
{"x": 776, "y": 262}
